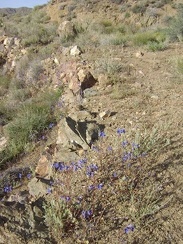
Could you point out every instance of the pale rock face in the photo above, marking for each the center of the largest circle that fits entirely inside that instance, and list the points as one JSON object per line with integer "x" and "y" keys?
{"x": 8, "y": 42}
{"x": 66, "y": 29}
{"x": 75, "y": 51}
{"x": 3, "y": 143}
{"x": 44, "y": 168}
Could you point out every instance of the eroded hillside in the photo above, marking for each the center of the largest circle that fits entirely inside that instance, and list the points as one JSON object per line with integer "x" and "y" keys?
{"x": 91, "y": 123}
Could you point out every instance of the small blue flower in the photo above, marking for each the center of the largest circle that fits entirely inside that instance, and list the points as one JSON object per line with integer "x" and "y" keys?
{"x": 55, "y": 165}
{"x": 50, "y": 126}
{"x": 94, "y": 148}
{"x": 87, "y": 214}
{"x": 102, "y": 134}
{"x": 109, "y": 149}
{"x": 49, "y": 190}
{"x": 19, "y": 175}
{"x": 135, "y": 145}
{"x": 121, "y": 131}
{"x": 114, "y": 175}
{"x": 7, "y": 189}
{"x": 66, "y": 198}
{"x": 124, "y": 143}
{"x": 29, "y": 175}
{"x": 92, "y": 187}
{"x": 129, "y": 228}
{"x": 100, "y": 186}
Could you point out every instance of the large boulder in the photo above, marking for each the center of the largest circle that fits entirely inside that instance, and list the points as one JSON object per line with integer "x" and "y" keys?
{"x": 74, "y": 134}
{"x": 66, "y": 30}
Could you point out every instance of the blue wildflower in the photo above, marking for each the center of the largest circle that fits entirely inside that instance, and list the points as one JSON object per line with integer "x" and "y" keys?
{"x": 109, "y": 149}
{"x": 121, "y": 131}
{"x": 19, "y": 175}
{"x": 66, "y": 198}
{"x": 114, "y": 175}
{"x": 102, "y": 134}
{"x": 124, "y": 143}
{"x": 129, "y": 228}
{"x": 29, "y": 175}
{"x": 55, "y": 165}
{"x": 135, "y": 145}
{"x": 87, "y": 214}
{"x": 100, "y": 186}
{"x": 92, "y": 187}
{"x": 50, "y": 126}
{"x": 7, "y": 189}
{"x": 94, "y": 148}
{"x": 49, "y": 190}
{"x": 127, "y": 156}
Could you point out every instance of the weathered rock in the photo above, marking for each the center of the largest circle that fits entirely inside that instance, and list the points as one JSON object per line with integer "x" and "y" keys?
{"x": 86, "y": 79}
{"x": 76, "y": 134}
{"x": 8, "y": 42}
{"x": 90, "y": 92}
{"x": 23, "y": 223}
{"x": 44, "y": 168}
{"x": 66, "y": 29}
{"x": 3, "y": 143}
{"x": 75, "y": 51}
{"x": 37, "y": 188}
{"x": 139, "y": 54}
{"x": 70, "y": 136}
{"x": 105, "y": 114}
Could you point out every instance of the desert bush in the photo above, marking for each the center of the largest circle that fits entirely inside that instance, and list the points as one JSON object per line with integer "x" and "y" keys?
{"x": 156, "y": 46}
{"x": 109, "y": 66}
{"x": 32, "y": 117}
{"x": 139, "y": 8}
{"x": 175, "y": 30}
{"x": 58, "y": 217}
{"x": 110, "y": 194}
{"x": 4, "y": 84}
{"x": 147, "y": 37}
{"x": 40, "y": 34}
{"x": 113, "y": 39}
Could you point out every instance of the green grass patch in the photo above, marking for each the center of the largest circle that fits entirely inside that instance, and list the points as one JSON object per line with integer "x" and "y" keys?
{"x": 140, "y": 39}
{"x": 33, "y": 117}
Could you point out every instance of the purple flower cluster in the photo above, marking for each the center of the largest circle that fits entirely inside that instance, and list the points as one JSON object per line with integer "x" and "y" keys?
{"x": 101, "y": 134}
{"x": 99, "y": 187}
{"x": 127, "y": 156}
{"x": 51, "y": 125}
{"x": 87, "y": 214}
{"x": 129, "y": 228}
{"x": 121, "y": 131}
{"x": 75, "y": 166}
{"x": 8, "y": 189}
{"x": 91, "y": 169}
{"x": 65, "y": 198}
{"x": 60, "y": 166}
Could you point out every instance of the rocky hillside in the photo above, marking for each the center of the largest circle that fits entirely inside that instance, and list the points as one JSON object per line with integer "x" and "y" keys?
{"x": 91, "y": 123}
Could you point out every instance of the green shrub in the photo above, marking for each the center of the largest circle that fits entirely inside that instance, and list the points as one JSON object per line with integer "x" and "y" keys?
{"x": 139, "y": 9}
{"x": 33, "y": 117}
{"x": 109, "y": 66}
{"x": 113, "y": 39}
{"x": 175, "y": 31}
{"x": 144, "y": 38}
{"x": 58, "y": 218}
{"x": 155, "y": 46}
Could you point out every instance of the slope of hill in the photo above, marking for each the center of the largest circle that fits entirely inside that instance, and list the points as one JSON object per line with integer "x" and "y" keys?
{"x": 91, "y": 123}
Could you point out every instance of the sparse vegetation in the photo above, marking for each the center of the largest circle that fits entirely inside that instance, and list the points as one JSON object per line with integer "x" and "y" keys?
{"x": 123, "y": 186}
{"x": 32, "y": 117}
